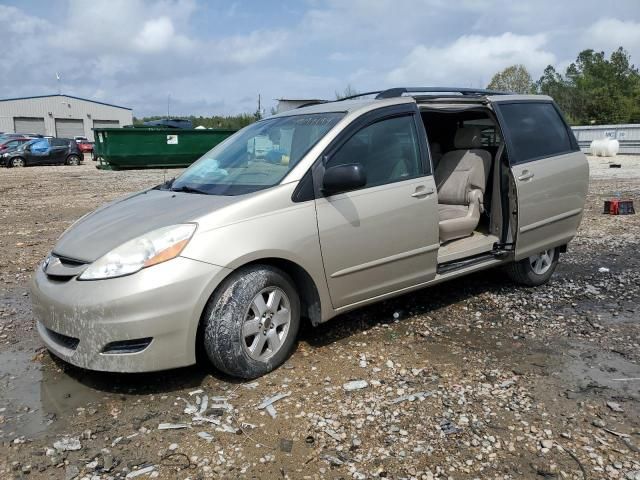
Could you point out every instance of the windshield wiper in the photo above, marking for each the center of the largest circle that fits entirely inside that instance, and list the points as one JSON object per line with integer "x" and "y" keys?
{"x": 187, "y": 189}
{"x": 165, "y": 185}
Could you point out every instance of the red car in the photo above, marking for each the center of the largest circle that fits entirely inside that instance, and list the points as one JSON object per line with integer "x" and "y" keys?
{"x": 85, "y": 146}
{"x": 10, "y": 143}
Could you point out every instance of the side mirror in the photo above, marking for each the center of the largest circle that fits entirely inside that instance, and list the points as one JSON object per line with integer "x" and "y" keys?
{"x": 343, "y": 178}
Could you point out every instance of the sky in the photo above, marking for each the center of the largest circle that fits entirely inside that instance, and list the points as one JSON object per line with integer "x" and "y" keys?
{"x": 214, "y": 57}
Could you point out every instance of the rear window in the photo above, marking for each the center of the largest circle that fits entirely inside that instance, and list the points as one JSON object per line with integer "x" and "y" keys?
{"x": 490, "y": 137}
{"x": 536, "y": 131}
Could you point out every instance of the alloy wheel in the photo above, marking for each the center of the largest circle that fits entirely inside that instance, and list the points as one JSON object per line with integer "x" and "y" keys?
{"x": 541, "y": 262}
{"x": 266, "y": 324}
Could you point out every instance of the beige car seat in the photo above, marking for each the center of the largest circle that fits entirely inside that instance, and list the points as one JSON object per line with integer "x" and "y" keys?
{"x": 436, "y": 154}
{"x": 461, "y": 179}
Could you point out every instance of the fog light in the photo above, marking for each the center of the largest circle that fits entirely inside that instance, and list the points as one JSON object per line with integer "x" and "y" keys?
{"x": 126, "y": 346}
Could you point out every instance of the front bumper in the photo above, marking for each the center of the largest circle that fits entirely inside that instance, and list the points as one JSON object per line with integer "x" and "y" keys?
{"x": 78, "y": 319}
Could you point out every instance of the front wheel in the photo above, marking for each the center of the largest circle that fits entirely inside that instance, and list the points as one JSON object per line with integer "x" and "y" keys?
{"x": 252, "y": 321}
{"x": 536, "y": 269}
{"x": 17, "y": 162}
{"x": 73, "y": 160}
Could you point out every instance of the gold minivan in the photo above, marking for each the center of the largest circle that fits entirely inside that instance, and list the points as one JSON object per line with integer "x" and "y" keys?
{"x": 308, "y": 214}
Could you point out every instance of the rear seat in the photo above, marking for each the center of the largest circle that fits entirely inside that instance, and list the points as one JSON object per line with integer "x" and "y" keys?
{"x": 461, "y": 179}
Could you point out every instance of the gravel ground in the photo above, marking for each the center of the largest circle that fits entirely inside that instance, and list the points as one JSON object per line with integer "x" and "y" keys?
{"x": 475, "y": 378}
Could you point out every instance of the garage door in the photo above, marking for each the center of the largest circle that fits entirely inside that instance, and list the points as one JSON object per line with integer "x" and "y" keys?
{"x": 29, "y": 125}
{"x": 106, "y": 124}
{"x": 69, "y": 128}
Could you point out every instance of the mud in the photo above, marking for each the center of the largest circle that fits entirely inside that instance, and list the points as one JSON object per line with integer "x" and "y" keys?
{"x": 519, "y": 381}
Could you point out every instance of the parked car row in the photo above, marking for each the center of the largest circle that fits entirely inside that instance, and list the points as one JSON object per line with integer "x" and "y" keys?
{"x": 22, "y": 151}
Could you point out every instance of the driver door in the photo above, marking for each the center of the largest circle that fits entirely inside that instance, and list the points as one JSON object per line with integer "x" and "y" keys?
{"x": 383, "y": 237}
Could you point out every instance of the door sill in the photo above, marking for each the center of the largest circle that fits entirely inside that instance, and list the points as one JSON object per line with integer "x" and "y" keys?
{"x": 448, "y": 267}
{"x": 467, "y": 247}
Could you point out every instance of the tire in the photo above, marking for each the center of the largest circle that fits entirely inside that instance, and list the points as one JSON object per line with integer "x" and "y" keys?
{"x": 241, "y": 334}
{"x": 73, "y": 160}
{"x": 534, "y": 270}
{"x": 17, "y": 162}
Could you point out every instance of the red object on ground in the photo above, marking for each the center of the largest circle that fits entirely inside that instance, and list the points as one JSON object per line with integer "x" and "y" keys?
{"x": 618, "y": 207}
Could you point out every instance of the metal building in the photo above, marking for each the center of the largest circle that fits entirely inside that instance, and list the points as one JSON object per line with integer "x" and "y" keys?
{"x": 62, "y": 116}
{"x": 627, "y": 134}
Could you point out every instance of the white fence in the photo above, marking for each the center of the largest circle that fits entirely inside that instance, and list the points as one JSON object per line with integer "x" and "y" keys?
{"x": 628, "y": 135}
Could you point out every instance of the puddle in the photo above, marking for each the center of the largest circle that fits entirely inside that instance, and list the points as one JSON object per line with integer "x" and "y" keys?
{"x": 590, "y": 369}
{"x": 36, "y": 399}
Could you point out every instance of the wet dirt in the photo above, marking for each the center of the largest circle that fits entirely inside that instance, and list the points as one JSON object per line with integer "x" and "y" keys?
{"x": 507, "y": 371}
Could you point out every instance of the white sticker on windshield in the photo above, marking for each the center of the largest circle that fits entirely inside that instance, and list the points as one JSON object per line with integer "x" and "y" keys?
{"x": 172, "y": 139}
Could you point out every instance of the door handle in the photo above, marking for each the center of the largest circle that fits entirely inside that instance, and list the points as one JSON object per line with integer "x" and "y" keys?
{"x": 526, "y": 175}
{"x": 422, "y": 192}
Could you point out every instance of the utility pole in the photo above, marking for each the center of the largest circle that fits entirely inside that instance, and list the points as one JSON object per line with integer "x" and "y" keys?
{"x": 259, "y": 114}
{"x": 168, "y": 103}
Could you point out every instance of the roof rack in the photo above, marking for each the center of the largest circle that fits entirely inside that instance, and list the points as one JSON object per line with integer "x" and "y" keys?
{"x": 350, "y": 97}
{"x": 399, "y": 91}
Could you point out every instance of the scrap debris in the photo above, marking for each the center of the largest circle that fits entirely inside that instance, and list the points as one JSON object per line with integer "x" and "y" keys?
{"x": 267, "y": 404}
{"x": 67, "y": 444}
{"x": 140, "y": 472}
{"x": 355, "y": 385}
{"x": 172, "y": 426}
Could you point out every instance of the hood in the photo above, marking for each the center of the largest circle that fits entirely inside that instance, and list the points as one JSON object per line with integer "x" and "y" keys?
{"x": 109, "y": 227}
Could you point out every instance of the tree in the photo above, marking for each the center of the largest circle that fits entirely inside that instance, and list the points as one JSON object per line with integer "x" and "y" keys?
{"x": 514, "y": 79}
{"x": 349, "y": 91}
{"x": 595, "y": 89}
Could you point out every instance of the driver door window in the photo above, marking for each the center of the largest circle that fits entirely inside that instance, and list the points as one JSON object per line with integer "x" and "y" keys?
{"x": 387, "y": 149}
{"x": 383, "y": 237}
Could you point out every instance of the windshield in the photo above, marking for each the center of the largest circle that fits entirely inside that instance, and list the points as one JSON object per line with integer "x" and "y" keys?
{"x": 257, "y": 157}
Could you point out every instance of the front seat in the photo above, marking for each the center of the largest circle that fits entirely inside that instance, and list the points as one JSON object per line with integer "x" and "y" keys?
{"x": 461, "y": 179}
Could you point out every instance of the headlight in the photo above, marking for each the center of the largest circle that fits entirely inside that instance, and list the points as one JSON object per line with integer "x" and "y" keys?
{"x": 45, "y": 262}
{"x": 5, "y": 155}
{"x": 150, "y": 249}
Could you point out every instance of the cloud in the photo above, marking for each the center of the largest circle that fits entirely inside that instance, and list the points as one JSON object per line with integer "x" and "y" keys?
{"x": 471, "y": 60}
{"x": 252, "y": 48}
{"x": 611, "y": 33}
{"x": 216, "y": 59}
{"x": 156, "y": 35}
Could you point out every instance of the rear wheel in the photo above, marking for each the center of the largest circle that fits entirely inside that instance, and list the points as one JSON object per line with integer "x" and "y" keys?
{"x": 536, "y": 269}
{"x": 17, "y": 162}
{"x": 73, "y": 160}
{"x": 252, "y": 321}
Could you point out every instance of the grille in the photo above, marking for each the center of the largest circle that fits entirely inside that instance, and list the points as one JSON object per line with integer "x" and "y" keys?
{"x": 62, "y": 269}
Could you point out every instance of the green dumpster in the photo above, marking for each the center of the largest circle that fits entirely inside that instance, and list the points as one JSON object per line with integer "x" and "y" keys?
{"x": 150, "y": 147}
